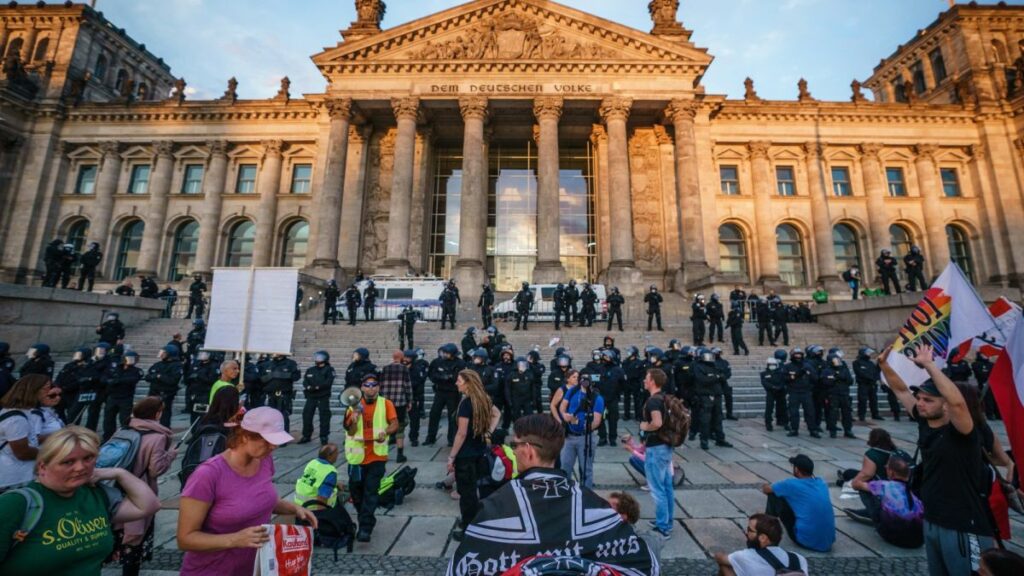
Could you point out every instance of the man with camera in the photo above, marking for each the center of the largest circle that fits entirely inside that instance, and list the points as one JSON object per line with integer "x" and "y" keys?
{"x": 582, "y": 410}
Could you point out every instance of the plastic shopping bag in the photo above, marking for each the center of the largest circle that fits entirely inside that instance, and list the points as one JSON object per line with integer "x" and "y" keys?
{"x": 289, "y": 552}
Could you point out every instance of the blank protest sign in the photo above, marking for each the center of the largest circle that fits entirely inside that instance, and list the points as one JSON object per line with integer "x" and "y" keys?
{"x": 270, "y": 309}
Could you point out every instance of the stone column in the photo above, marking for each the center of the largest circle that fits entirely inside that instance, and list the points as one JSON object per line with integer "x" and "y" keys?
{"x": 995, "y": 212}
{"x": 876, "y": 189}
{"x": 156, "y": 211}
{"x": 352, "y": 215}
{"x": 328, "y": 198}
{"x": 5, "y": 34}
{"x": 825, "y": 250}
{"x": 767, "y": 249}
{"x": 691, "y": 213}
{"x": 599, "y": 139}
{"x": 622, "y": 271}
{"x": 106, "y": 188}
{"x": 213, "y": 202}
{"x": 549, "y": 269}
{"x": 469, "y": 272}
{"x": 934, "y": 224}
{"x": 266, "y": 217}
{"x": 29, "y": 45}
{"x": 407, "y": 112}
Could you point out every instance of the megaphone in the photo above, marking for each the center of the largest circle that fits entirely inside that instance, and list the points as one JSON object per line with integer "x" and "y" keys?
{"x": 350, "y": 396}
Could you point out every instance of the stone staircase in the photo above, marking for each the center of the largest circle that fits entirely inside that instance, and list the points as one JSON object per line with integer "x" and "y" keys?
{"x": 381, "y": 338}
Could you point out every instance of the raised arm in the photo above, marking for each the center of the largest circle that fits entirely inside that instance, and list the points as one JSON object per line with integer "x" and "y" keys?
{"x": 956, "y": 406}
{"x": 896, "y": 384}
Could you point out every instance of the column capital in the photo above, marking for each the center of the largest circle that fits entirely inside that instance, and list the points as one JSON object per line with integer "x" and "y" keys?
{"x": 406, "y": 108}
{"x": 548, "y": 107}
{"x": 680, "y": 110}
{"x": 338, "y": 108}
{"x": 473, "y": 107}
{"x": 759, "y": 149}
{"x": 871, "y": 150}
{"x": 272, "y": 148}
{"x": 926, "y": 152}
{"x": 110, "y": 148}
{"x": 978, "y": 152}
{"x": 616, "y": 108}
{"x": 598, "y": 135}
{"x": 163, "y": 148}
{"x": 812, "y": 150}
{"x": 218, "y": 147}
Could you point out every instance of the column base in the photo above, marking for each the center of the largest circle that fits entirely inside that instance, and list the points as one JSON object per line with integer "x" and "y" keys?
{"x": 325, "y": 269}
{"x": 469, "y": 276}
{"x": 773, "y": 283}
{"x": 626, "y": 276}
{"x": 834, "y": 285}
{"x": 549, "y": 272}
{"x": 400, "y": 268}
{"x": 146, "y": 273}
{"x": 693, "y": 276}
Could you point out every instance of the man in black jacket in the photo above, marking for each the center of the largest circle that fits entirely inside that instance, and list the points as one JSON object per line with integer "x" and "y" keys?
{"x": 196, "y": 303}
{"x": 442, "y": 373}
{"x": 120, "y": 382}
{"x": 331, "y": 295}
{"x": 112, "y": 330}
{"x": 799, "y": 393}
{"x": 68, "y": 380}
{"x": 982, "y": 368}
{"x": 68, "y": 257}
{"x": 418, "y": 368}
{"x": 837, "y": 381}
{"x": 6, "y": 369}
{"x": 589, "y": 300}
{"x": 359, "y": 367}
{"x": 38, "y": 361}
{"x": 775, "y": 392}
{"x": 868, "y": 374}
{"x": 148, "y": 287}
{"x": 780, "y": 322}
{"x": 317, "y": 385}
{"x": 558, "y": 300}
{"x": 572, "y": 297}
{"x": 524, "y": 303}
{"x": 200, "y": 376}
{"x": 407, "y": 326}
{"x": 763, "y": 315}
{"x": 52, "y": 257}
{"x": 163, "y": 378}
{"x": 611, "y": 386}
{"x": 90, "y": 260}
{"x": 708, "y": 381}
{"x": 615, "y": 302}
{"x": 486, "y": 305}
{"x": 93, "y": 391}
{"x": 698, "y": 315}
{"x": 886, "y": 266}
{"x": 716, "y": 315}
{"x": 634, "y": 369}
{"x": 279, "y": 377}
{"x": 370, "y": 301}
{"x": 653, "y": 301}
{"x": 352, "y": 302}
{"x": 914, "y": 263}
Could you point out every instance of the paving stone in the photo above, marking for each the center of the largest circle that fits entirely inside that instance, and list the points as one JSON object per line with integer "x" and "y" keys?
{"x": 681, "y": 545}
{"x": 165, "y": 529}
{"x": 766, "y": 470}
{"x": 735, "y": 473}
{"x": 384, "y": 535}
{"x": 749, "y": 500}
{"x": 706, "y": 504}
{"x": 700, "y": 473}
{"x": 726, "y": 454}
{"x": 427, "y": 501}
{"x": 844, "y": 546}
{"x": 612, "y": 474}
{"x": 423, "y": 536}
{"x": 716, "y": 534}
{"x": 868, "y": 537}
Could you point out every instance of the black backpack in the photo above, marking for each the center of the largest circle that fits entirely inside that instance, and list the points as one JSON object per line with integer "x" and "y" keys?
{"x": 335, "y": 527}
{"x": 207, "y": 442}
{"x": 791, "y": 568}
{"x": 395, "y": 487}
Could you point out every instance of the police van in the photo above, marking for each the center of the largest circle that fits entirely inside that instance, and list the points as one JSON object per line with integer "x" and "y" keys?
{"x": 395, "y": 293}
{"x": 544, "y": 304}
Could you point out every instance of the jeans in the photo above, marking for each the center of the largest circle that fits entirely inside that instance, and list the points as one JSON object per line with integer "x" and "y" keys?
{"x": 658, "y": 469}
{"x": 364, "y": 483}
{"x": 575, "y": 449}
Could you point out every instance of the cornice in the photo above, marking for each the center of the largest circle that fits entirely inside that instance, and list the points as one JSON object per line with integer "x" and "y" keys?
{"x": 842, "y": 112}
{"x": 490, "y": 66}
{"x": 194, "y": 112}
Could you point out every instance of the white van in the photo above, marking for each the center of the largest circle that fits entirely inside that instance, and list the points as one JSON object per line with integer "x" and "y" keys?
{"x": 395, "y": 293}
{"x": 544, "y": 305}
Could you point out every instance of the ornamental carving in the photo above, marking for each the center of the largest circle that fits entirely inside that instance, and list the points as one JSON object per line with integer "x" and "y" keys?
{"x": 616, "y": 108}
{"x": 408, "y": 108}
{"x": 665, "y": 17}
{"x": 473, "y": 107}
{"x": 218, "y": 147}
{"x": 511, "y": 37}
{"x": 926, "y": 151}
{"x": 163, "y": 148}
{"x": 231, "y": 93}
{"x": 856, "y": 94}
{"x": 284, "y": 92}
{"x": 803, "y": 94}
{"x": 812, "y": 150}
{"x": 749, "y": 94}
{"x": 978, "y": 152}
{"x": 272, "y": 148}
{"x": 378, "y": 201}
{"x": 370, "y": 13}
{"x": 681, "y": 110}
{"x": 759, "y": 150}
{"x": 598, "y": 135}
{"x": 871, "y": 151}
{"x": 111, "y": 149}
{"x": 548, "y": 107}
{"x": 648, "y": 211}
{"x": 339, "y": 108}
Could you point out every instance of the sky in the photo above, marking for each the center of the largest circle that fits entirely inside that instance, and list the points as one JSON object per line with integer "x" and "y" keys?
{"x": 775, "y": 42}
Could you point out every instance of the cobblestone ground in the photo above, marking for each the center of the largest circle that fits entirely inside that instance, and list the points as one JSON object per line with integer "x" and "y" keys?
{"x": 721, "y": 490}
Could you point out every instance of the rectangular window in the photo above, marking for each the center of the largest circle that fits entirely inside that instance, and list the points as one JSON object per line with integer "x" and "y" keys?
{"x": 938, "y": 65}
{"x": 730, "y": 180}
{"x": 302, "y": 178}
{"x": 784, "y": 181}
{"x": 898, "y": 90}
{"x": 841, "y": 182}
{"x": 917, "y": 72}
{"x": 246, "y": 179}
{"x": 193, "y": 182}
{"x": 950, "y": 183}
{"x": 897, "y": 186}
{"x": 86, "y": 183}
{"x": 139, "y": 183}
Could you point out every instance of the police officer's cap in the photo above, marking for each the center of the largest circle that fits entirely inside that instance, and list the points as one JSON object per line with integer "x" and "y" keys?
{"x": 480, "y": 353}
{"x": 363, "y": 353}
{"x": 171, "y": 351}
{"x": 780, "y": 355}
{"x": 41, "y": 348}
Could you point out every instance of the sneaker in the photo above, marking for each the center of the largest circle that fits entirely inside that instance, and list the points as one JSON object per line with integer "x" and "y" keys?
{"x": 664, "y": 535}
{"x": 401, "y": 459}
{"x": 458, "y": 533}
{"x": 363, "y": 535}
{"x": 723, "y": 444}
{"x": 304, "y": 440}
{"x": 859, "y": 515}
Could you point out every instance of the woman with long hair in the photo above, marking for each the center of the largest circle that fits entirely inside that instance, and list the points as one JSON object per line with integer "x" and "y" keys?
{"x": 473, "y": 418}
{"x": 994, "y": 455}
{"x": 20, "y": 421}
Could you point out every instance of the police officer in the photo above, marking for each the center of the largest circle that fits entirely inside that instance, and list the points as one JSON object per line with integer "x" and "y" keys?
{"x": 67, "y": 262}
{"x": 867, "y": 374}
{"x": 653, "y": 301}
{"x": 886, "y": 266}
{"x": 520, "y": 389}
{"x": 538, "y": 369}
{"x": 572, "y": 298}
{"x": 611, "y": 386}
{"x": 112, "y": 330}
{"x": 370, "y": 301}
{"x": 914, "y": 264}
{"x": 298, "y": 300}
{"x": 708, "y": 381}
{"x": 959, "y": 371}
{"x": 52, "y": 257}
{"x": 524, "y": 303}
{"x": 716, "y": 315}
{"x": 164, "y": 377}
{"x": 698, "y": 315}
{"x": 37, "y": 361}
{"x": 254, "y": 394}
{"x": 196, "y": 301}
{"x": 316, "y": 385}
{"x": 657, "y": 360}
{"x": 199, "y": 379}
{"x": 443, "y": 372}
{"x": 478, "y": 364}
{"x": 418, "y": 368}
{"x": 331, "y": 295}
{"x": 780, "y": 321}
{"x": 561, "y": 306}
{"x": 407, "y": 326}
{"x": 170, "y": 297}
{"x": 196, "y": 337}
{"x": 633, "y": 367}
{"x": 92, "y": 383}
{"x": 615, "y": 302}
{"x": 982, "y": 368}
{"x": 559, "y": 374}
{"x": 815, "y": 361}
{"x": 763, "y": 315}
{"x": 468, "y": 343}
{"x": 589, "y": 300}
{"x": 279, "y": 376}
{"x": 352, "y": 302}
{"x": 837, "y": 379}
{"x": 69, "y": 381}
{"x": 737, "y": 299}
{"x": 486, "y": 305}
{"x": 775, "y": 392}
{"x": 448, "y": 306}
{"x": 90, "y": 260}
{"x": 359, "y": 367}
{"x": 725, "y": 369}
{"x": 735, "y": 324}
{"x": 503, "y": 370}
{"x": 798, "y": 393}
{"x": 120, "y": 383}
{"x": 148, "y": 287}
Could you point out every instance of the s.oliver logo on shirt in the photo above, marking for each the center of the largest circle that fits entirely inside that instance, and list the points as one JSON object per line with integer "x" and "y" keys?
{"x": 75, "y": 532}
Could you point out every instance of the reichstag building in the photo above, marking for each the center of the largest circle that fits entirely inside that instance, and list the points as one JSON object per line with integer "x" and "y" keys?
{"x": 513, "y": 140}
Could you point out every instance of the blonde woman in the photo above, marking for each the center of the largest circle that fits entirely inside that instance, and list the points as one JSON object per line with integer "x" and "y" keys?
{"x": 473, "y": 418}
{"x": 66, "y": 477}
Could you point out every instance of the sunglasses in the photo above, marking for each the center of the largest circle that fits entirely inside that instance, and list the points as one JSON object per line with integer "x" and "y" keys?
{"x": 517, "y": 443}
{"x": 370, "y": 384}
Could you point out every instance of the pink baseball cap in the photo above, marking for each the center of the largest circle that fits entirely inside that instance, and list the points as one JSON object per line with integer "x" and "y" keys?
{"x": 268, "y": 423}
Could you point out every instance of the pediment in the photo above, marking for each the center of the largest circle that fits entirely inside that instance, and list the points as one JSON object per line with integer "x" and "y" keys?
{"x": 511, "y": 31}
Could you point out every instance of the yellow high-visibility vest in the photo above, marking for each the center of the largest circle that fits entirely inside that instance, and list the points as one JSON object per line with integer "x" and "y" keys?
{"x": 308, "y": 485}
{"x": 355, "y": 445}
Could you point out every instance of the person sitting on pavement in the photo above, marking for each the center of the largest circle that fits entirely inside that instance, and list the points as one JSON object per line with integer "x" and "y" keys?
{"x": 629, "y": 509}
{"x": 763, "y": 556}
{"x": 319, "y": 480}
{"x": 804, "y": 506}
{"x": 897, "y": 514}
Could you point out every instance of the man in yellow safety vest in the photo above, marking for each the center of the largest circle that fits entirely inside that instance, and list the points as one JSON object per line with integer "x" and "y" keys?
{"x": 367, "y": 427}
{"x": 319, "y": 480}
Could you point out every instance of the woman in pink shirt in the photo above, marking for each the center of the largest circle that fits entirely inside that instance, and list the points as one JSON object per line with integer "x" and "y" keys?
{"x": 229, "y": 498}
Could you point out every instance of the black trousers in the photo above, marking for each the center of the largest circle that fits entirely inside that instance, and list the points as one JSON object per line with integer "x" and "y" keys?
{"x": 449, "y": 315}
{"x": 364, "y": 483}
{"x": 331, "y": 312}
{"x": 323, "y": 405}
{"x": 710, "y": 418}
{"x": 589, "y": 315}
{"x": 117, "y": 413}
{"x": 840, "y": 407}
{"x": 890, "y": 277}
{"x": 894, "y": 403}
{"x": 88, "y": 275}
{"x": 65, "y": 277}
{"x": 168, "y": 397}
{"x": 779, "y": 508}
{"x": 559, "y": 314}
{"x": 775, "y": 402}
{"x": 783, "y": 329}
{"x": 468, "y": 472}
{"x": 573, "y": 313}
{"x": 631, "y": 401}
{"x": 765, "y": 329}
{"x": 609, "y": 429}
{"x": 369, "y": 311}
{"x": 915, "y": 278}
{"x": 867, "y": 396}
{"x": 615, "y": 314}
{"x": 485, "y": 316}
{"x": 715, "y": 328}
{"x": 196, "y": 306}
{"x": 652, "y": 315}
{"x": 51, "y": 276}
{"x": 797, "y": 401}
{"x": 405, "y": 335}
{"x": 352, "y": 311}
{"x": 415, "y": 413}
{"x": 281, "y": 402}
{"x": 820, "y": 397}
{"x": 727, "y": 396}
{"x": 443, "y": 400}
{"x": 524, "y": 318}
{"x": 698, "y": 332}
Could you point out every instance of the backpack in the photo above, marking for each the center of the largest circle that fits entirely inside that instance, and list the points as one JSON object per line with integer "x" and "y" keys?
{"x": 792, "y": 568}
{"x": 207, "y": 443}
{"x": 499, "y": 467}
{"x": 33, "y": 512}
{"x": 121, "y": 450}
{"x": 335, "y": 528}
{"x": 847, "y": 276}
{"x": 676, "y": 421}
{"x": 7, "y": 415}
{"x": 395, "y": 487}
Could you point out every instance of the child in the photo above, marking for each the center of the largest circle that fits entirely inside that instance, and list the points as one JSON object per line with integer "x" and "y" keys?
{"x": 637, "y": 449}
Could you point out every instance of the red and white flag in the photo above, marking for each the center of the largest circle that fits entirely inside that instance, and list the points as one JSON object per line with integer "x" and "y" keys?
{"x": 1007, "y": 383}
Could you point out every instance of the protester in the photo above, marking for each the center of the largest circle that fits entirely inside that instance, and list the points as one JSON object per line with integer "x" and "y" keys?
{"x": 396, "y": 386}
{"x": 994, "y": 455}
{"x": 473, "y": 421}
{"x": 70, "y": 500}
{"x": 658, "y": 454}
{"x": 368, "y": 425}
{"x": 582, "y": 409}
{"x": 956, "y": 527}
{"x": 763, "y": 556}
{"x": 319, "y": 480}
{"x": 229, "y": 498}
{"x": 228, "y": 374}
{"x": 224, "y": 406}
{"x": 880, "y": 449}
{"x": 891, "y": 505}
{"x": 804, "y": 506}
{"x": 629, "y": 509}
{"x": 19, "y": 429}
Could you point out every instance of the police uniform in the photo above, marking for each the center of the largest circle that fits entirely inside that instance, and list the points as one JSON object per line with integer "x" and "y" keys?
{"x": 120, "y": 382}
{"x": 279, "y": 376}
{"x": 316, "y": 385}
{"x": 653, "y": 301}
{"x": 486, "y": 305}
{"x": 163, "y": 378}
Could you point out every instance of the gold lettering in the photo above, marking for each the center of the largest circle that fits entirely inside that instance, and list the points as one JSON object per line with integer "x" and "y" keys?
{"x": 48, "y": 538}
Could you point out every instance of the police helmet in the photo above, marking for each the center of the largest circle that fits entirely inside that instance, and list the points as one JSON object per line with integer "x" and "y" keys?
{"x": 198, "y": 322}
{"x": 112, "y": 316}
{"x": 835, "y": 361}
{"x": 131, "y": 358}
{"x": 526, "y": 285}
{"x": 321, "y": 356}
{"x": 609, "y": 356}
{"x": 687, "y": 351}
{"x": 716, "y": 351}
{"x": 5, "y": 348}
{"x": 707, "y": 356}
{"x": 632, "y": 351}
{"x": 363, "y": 354}
{"x": 560, "y": 286}
{"x": 915, "y": 249}
{"x": 674, "y": 344}
{"x": 492, "y": 330}
{"x": 865, "y": 352}
{"x": 835, "y": 351}
{"x": 41, "y": 348}
{"x": 471, "y": 331}
{"x": 780, "y": 355}
{"x": 533, "y": 355}
{"x": 564, "y": 362}
{"x": 560, "y": 351}
{"x": 773, "y": 364}
{"x": 714, "y": 297}
{"x": 615, "y": 289}
{"x": 595, "y": 354}
{"x": 203, "y": 355}
{"x": 657, "y": 354}
{"x": 450, "y": 349}
{"x": 521, "y": 364}
{"x": 796, "y": 352}
{"x": 420, "y": 353}
{"x": 654, "y": 288}
{"x": 700, "y": 297}
{"x": 815, "y": 350}
{"x": 81, "y": 354}
{"x": 479, "y": 354}
{"x": 94, "y": 245}
{"x": 886, "y": 252}
{"x": 170, "y": 352}
{"x": 410, "y": 354}
{"x": 332, "y": 282}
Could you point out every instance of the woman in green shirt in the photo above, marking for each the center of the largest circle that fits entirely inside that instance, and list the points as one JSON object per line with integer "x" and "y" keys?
{"x": 820, "y": 296}
{"x": 73, "y": 535}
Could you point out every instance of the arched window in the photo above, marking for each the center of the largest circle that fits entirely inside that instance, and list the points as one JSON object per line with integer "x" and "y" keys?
{"x": 183, "y": 253}
{"x": 901, "y": 239}
{"x": 791, "y": 255}
{"x": 42, "y": 47}
{"x": 14, "y": 48}
{"x": 732, "y": 250}
{"x": 99, "y": 71}
{"x": 142, "y": 92}
{"x": 296, "y": 242}
{"x": 128, "y": 249}
{"x": 77, "y": 234}
{"x": 240, "y": 243}
{"x": 122, "y": 77}
{"x": 960, "y": 250}
{"x": 847, "y": 248}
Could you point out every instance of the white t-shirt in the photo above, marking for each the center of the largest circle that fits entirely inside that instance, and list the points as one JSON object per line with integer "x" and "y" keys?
{"x": 49, "y": 421}
{"x": 749, "y": 563}
{"x": 14, "y": 472}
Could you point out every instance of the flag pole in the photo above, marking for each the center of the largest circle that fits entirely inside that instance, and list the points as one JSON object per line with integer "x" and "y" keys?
{"x": 245, "y": 324}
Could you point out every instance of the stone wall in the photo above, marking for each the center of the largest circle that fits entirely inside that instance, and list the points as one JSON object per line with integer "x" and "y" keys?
{"x": 63, "y": 319}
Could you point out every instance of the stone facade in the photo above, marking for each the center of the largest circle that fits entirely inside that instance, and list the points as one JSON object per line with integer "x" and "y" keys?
{"x": 691, "y": 191}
